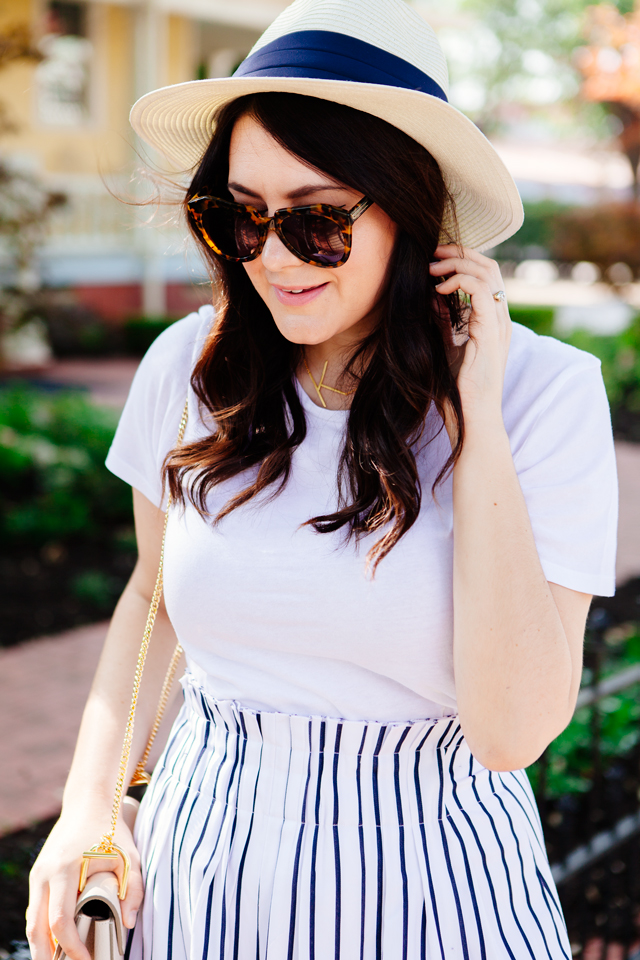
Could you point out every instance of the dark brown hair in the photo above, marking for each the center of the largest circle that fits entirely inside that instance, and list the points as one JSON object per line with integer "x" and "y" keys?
{"x": 244, "y": 377}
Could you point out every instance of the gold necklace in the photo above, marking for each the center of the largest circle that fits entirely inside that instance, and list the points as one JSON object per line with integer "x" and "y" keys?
{"x": 324, "y": 386}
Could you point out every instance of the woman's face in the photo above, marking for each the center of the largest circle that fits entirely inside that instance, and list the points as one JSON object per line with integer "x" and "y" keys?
{"x": 337, "y": 305}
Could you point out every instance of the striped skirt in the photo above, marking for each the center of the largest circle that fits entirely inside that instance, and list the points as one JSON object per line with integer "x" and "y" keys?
{"x": 265, "y": 836}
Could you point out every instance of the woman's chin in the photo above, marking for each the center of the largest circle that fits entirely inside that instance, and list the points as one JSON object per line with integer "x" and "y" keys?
{"x": 304, "y": 330}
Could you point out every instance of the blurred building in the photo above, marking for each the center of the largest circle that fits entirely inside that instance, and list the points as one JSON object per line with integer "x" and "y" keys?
{"x": 70, "y": 114}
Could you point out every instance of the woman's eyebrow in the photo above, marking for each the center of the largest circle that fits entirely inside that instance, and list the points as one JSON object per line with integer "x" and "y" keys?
{"x": 294, "y": 194}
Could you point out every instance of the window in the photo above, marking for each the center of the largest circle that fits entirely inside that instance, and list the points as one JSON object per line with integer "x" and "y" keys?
{"x": 63, "y": 76}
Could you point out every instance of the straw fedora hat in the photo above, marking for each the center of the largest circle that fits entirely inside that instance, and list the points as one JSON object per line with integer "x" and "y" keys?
{"x": 378, "y": 56}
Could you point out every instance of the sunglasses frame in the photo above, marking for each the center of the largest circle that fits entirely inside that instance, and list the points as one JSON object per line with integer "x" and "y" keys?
{"x": 343, "y": 218}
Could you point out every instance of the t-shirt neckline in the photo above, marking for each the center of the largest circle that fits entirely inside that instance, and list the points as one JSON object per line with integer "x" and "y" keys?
{"x": 323, "y": 413}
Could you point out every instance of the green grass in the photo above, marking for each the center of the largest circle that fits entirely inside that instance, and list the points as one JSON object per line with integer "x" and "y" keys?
{"x": 53, "y": 482}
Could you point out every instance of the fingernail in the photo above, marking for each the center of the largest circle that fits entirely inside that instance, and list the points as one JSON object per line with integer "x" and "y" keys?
{"x": 132, "y": 920}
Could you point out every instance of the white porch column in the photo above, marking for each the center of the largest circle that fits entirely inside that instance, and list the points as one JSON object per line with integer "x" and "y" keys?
{"x": 150, "y": 72}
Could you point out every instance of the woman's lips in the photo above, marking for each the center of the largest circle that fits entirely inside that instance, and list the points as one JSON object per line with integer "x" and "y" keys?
{"x": 306, "y": 296}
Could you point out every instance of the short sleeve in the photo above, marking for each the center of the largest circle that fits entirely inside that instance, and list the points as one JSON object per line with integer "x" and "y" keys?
{"x": 148, "y": 427}
{"x": 567, "y": 471}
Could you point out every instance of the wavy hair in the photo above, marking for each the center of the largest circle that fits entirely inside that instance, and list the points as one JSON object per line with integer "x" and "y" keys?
{"x": 245, "y": 375}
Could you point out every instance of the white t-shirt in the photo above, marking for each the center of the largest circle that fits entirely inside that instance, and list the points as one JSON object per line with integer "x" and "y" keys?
{"x": 281, "y": 618}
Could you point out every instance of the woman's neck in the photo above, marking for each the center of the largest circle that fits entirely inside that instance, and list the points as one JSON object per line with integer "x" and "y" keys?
{"x": 322, "y": 375}
{"x": 323, "y": 378}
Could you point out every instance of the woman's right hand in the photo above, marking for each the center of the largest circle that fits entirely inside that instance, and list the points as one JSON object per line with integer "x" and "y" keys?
{"x": 53, "y": 885}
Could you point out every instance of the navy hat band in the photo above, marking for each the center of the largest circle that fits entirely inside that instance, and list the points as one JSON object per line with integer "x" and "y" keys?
{"x": 324, "y": 55}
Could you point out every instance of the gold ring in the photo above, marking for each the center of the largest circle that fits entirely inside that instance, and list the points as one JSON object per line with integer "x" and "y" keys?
{"x": 500, "y": 296}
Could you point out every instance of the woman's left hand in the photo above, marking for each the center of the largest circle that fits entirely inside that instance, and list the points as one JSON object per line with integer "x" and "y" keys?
{"x": 481, "y": 374}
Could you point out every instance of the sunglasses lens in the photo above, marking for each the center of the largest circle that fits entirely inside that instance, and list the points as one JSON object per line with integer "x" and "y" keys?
{"x": 315, "y": 237}
{"x": 234, "y": 234}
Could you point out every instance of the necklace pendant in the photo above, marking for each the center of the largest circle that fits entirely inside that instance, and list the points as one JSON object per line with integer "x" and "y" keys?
{"x": 324, "y": 386}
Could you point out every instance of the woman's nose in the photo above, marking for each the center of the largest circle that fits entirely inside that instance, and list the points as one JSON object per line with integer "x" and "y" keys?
{"x": 274, "y": 253}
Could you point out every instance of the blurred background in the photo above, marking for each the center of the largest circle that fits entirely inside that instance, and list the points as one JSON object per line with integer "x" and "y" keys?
{"x": 89, "y": 276}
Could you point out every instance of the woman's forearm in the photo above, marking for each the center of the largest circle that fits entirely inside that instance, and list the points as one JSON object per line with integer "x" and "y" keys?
{"x": 94, "y": 770}
{"x": 512, "y": 661}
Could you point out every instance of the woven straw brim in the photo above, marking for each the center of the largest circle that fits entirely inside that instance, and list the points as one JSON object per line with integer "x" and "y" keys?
{"x": 178, "y": 121}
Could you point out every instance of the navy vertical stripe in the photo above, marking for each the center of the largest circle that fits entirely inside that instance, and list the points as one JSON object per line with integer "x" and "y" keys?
{"x": 296, "y": 862}
{"x": 236, "y": 939}
{"x": 485, "y": 865}
{"x": 534, "y": 826}
{"x": 203, "y": 832}
{"x": 314, "y": 854}
{"x": 207, "y": 925}
{"x": 223, "y": 920}
{"x": 403, "y": 861}
{"x": 525, "y": 885}
{"x": 506, "y": 869}
{"x": 380, "y": 875}
{"x": 172, "y": 902}
{"x": 423, "y": 837}
{"x": 546, "y": 893}
{"x": 445, "y": 847}
{"x": 467, "y": 868}
{"x": 363, "y": 864}
{"x": 336, "y": 843}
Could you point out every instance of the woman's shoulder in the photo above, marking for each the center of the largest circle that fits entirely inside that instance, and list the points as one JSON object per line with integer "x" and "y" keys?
{"x": 149, "y": 423}
{"x": 551, "y": 390}
{"x": 174, "y": 353}
{"x": 531, "y": 349}
{"x": 539, "y": 367}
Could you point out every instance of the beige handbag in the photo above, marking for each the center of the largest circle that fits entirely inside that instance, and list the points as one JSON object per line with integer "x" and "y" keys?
{"x": 98, "y": 916}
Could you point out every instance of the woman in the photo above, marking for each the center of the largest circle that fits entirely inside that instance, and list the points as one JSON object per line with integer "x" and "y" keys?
{"x": 388, "y": 539}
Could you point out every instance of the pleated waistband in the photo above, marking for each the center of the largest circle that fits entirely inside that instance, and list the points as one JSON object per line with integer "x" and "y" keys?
{"x": 313, "y": 734}
{"x": 223, "y": 750}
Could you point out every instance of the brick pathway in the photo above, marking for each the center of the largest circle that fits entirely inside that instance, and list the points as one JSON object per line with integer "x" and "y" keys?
{"x": 43, "y": 686}
{"x": 107, "y": 380}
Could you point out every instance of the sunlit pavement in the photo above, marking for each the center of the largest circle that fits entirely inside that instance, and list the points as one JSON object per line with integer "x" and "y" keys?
{"x": 44, "y": 683}
{"x": 107, "y": 381}
{"x": 43, "y": 688}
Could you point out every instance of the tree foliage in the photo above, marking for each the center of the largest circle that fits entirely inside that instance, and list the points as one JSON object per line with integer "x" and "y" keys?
{"x": 532, "y": 58}
{"x": 25, "y": 203}
{"x": 15, "y": 44}
{"x": 610, "y": 66}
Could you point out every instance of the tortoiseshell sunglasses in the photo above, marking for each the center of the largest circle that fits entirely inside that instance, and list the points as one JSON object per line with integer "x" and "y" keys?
{"x": 318, "y": 234}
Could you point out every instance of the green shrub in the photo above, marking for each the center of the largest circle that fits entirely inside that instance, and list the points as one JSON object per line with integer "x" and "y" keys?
{"x": 620, "y": 357}
{"x": 538, "y": 319}
{"x": 97, "y": 589}
{"x": 570, "y": 757}
{"x": 75, "y": 330}
{"x": 53, "y": 482}
{"x": 537, "y": 231}
{"x": 604, "y": 234}
{"x": 619, "y": 353}
{"x": 140, "y": 332}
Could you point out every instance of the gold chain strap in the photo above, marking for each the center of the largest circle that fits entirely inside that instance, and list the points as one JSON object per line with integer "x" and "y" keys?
{"x": 141, "y": 776}
{"x": 107, "y": 849}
